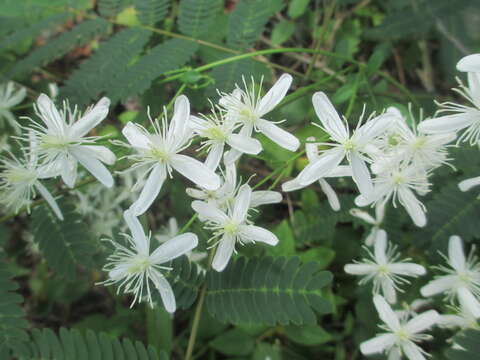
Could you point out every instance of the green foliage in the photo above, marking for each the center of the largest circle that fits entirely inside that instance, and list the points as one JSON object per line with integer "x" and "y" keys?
{"x": 64, "y": 244}
{"x": 268, "y": 291}
{"x": 73, "y": 345}
{"x": 108, "y": 8}
{"x": 12, "y": 315}
{"x": 59, "y": 46}
{"x": 469, "y": 342}
{"x": 195, "y": 17}
{"x": 151, "y": 12}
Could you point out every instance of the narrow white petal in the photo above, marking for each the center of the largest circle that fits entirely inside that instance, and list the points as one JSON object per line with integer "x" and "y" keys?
{"x": 196, "y": 193}
{"x": 91, "y": 118}
{"x": 467, "y": 184}
{"x": 440, "y": 285}
{"x": 293, "y": 185}
{"x": 68, "y": 170}
{"x": 265, "y": 197}
{"x": 395, "y": 354}
{"x": 231, "y": 156}
{"x": 136, "y": 229}
{"x": 422, "y": 322}
{"x": 329, "y": 118}
{"x": 175, "y": 247}
{"x": 469, "y": 63}
{"x": 361, "y": 175}
{"x": 252, "y": 233}
{"x": 408, "y": 269}
{"x": 413, "y": 206}
{"x": 474, "y": 87}
{"x": 274, "y": 95}
{"x": 456, "y": 256}
{"x": 49, "y": 114}
{"x": 311, "y": 149}
{"x": 197, "y": 124}
{"x": 49, "y": 199}
{"x": 278, "y": 135}
{"x": 447, "y": 123}
{"x": 209, "y": 212}
{"x": 136, "y": 136}
{"x": 244, "y": 144}
{"x": 358, "y": 213}
{"x": 340, "y": 171}
{"x": 469, "y": 301}
{"x": 102, "y": 153}
{"x": 328, "y": 161}
{"x": 165, "y": 290}
{"x": 214, "y": 156}
{"x": 380, "y": 249}
{"x": 331, "y": 195}
{"x": 373, "y": 128}
{"x": 181, "y": 115}
{"x": 387, "y": 315}
{"x": 242, "y": 203}
{"x": 388, "y": 290}
{"x": 150, "y": 190}
{"x": 359, "y": 269}
{"x": 223, "y": 253}
{"x": 195, "y": 171}
{"x": 377, "y": 344}
{"x": 93, "y": 165}
{"x": 412, "y": 351}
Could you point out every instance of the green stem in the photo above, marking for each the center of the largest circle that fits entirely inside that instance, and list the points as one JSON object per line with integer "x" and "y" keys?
{"x": 188, "y": 224}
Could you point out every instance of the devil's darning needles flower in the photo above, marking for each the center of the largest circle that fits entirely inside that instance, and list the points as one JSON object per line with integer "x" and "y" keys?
{"x": 462, "y": 279}
{"x": 400, "y": 336}
{"x": 135, "y": 269}
{"x": 384, "y": 268}
{"x": 10, "y": 97}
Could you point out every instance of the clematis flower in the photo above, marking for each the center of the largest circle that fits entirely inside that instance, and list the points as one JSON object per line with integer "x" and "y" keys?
{"x": 135, "y": 268}
{"x": 461, "y": 117}
{"x": 463, "y": 319}
{"x": 246, "y": 107}
{"x": 384, "y": 269}
{"x": 376, "y": 222}
{"x": 311, "y": 150}
{"x": 348, "y": 146}
{"x": 462, "y": 279}
{"x": 10, "y": 97}
{"x": 400, "y": 337}
{"x": 232, "y": 226}
{"x": 159, "y": 152}
{"x": 62, "y": 140}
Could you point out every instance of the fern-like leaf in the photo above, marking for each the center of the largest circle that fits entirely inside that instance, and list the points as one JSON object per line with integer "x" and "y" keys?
{"x": 59, "y": 46}
{"x": 109, "y": 8}
{"x": 152, "y": 11}
{"x": 64, "y": 244}
{"x": 73, "y": 345}
{"x": 268, "y": 291}
{"x": 197, "y": 16}
{"x": 469, "y": 346}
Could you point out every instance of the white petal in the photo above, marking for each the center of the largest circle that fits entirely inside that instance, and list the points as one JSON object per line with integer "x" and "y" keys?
{"x": 49, "y": 114}
{"x": 380, "y": 211}
{"x": 214, "y": 156}
{"x": 181, "y": 115}
{"x": 331, "y": 195}
{"x": 91, "y": 118}
{"x": 231, "y": 156}
{"x": 274, "y": 95}
{"x": 469, "y": 63}
{"x": 361, "y": 200}
{"x": 311, "y": 149}
{"x": 388, "y": 290}
{"x": 150, "y": 190}
{"x": 440, "y": 285}
{"x": 408, "y": 269}
{"x": 363, "y": 215}
{"x": 244, "y": 144}
{"x": 293, "y": 185}
{"x": 197, "y": 124}
{"x": 329, "y": 118}
{"x": 456, "y": 256}
{"x": 377, "y": 344}
{"x": 136, "y": 136}
{"x": 49, "y": 199}
{"x": 265, "y": 197}
{"x": 340, "y": 171}
{"x": 447, "y": 123}
{"x": 174, "y": 248}
{"x": 380, "y": 249}
{"x": 321, "y": 167}
{"x": 373, "y": 128}
{"x": 252, "y": 233}
{"x": 468, "y": 301}
{"x": 467, "y": 184}
{"x": 196, "y": 194}
{"x": 102, "y": 153}
{"x": 223, "y": 253}
{"x": 474, "y": 87}
{"x": 359, "y": 269}
{"x": 138, "y": 235}
{"x": 412, "y": 351}
{"x": 278, "y": 135}
{"x": 242, "y": 203}
{"x": 361, "y": 175}
{"x": 165, "y": 290}
{"x": 387, "y": 315}
{"x": 68, "y": 170}
{"x": 413, "y": 206}
{"x": 93, "y": 165}
{"x": 195, "y": 171}
{"x": 209, "y": 212}
{"x": 422, "y": 322}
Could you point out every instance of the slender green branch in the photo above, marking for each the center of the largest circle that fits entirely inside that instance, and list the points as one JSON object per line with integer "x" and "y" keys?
{"x": 188, "y": 224}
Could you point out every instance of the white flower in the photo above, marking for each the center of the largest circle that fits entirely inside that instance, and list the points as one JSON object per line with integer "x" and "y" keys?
{"x": 9, "y": 97}
{"x": 462, "y": 279}
{"x": 347, "y": 146}
{"x": 311, "y": 150}
{"x": 160, "y": 153}
{"x": 411, "y": 310}
{"x": 384, "y": 268}
{"x": 232, "y": 226}
{"x": 461, "y": 117}
{"x": 247, "y": 108}
{"x": 463, "y": 319}
{"x": 376, "y": 222}
{"x": 134, "y": 268}
{"x": 218, "y": 130}
{"x": 62, "y": 140}
{"x": 20, "y": 180}
{"x": 400, "y": 337}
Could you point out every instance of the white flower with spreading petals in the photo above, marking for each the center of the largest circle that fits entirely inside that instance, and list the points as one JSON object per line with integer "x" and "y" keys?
{"x": 160, "y": 153}
{"x": 462, "y": 279}
{"x": 384, "y": 268}
{"x": 376, "y": 222}
{"x": 232, "y": 226}
{"x": 62, "y": 140}
{"x": 311, "y": 150}
{"x": 461, "y": 117}
{"x": 348, "y": 146}
{"x": 400, "y": 336}
{"x": 218, "y": 130}
{"x": 10, "y": 97}
{"x": 135, "y": 269}
{"x": 244, "y": 106}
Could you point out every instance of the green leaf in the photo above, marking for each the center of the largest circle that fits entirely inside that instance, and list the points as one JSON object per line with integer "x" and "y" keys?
{"x": 323, "y": 255}
{"x": 286, "y": 245}
{"x": 150, "y": 12}
{"x": 196, "y": 17}
{"x": 268, "y": 291}
{"x": 297, "y": 8}
{"x": 282, "y": 32}
{"x": 234, "y": 342}
{"x": 308, "y": 335}
{"x": 469, "y": 342}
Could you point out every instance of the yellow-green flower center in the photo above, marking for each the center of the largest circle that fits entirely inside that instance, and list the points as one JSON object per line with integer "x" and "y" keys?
{"x": 139, "y": 264}
{"x": 19, "y": 175}
{"x": 215, "y": 133}
{"x": 159, "y": 154}
{"x": 247, "y": 115}
{"x": 419, "y": 143}
{"x": 349, "y": 145}
{"x": 230, "y": 228}
{"x": 54, "y": 142}
{"x": 402, "y": 335}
